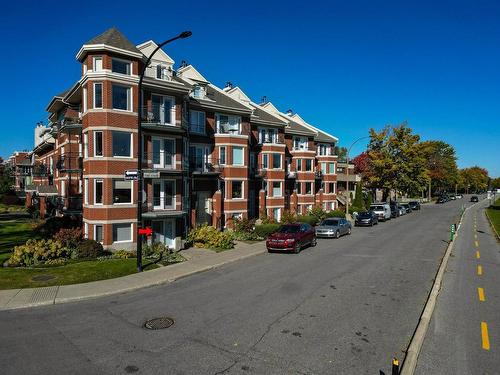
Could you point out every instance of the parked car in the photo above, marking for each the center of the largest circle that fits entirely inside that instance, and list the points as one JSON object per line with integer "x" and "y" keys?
{"x": 383, "y": 210}
{"x": 366, "y": 218}
{"x": 414, "y": 205}
{"x": 395, "y": 211}
{"x": 402, "y": 211}
{"x": 459, "y": 196}
{"x": 406, "y": 207}
{"x": 291, "y": 237}
{"x": 441, "y": 200}
{"x": 474, "y": 198}
{"x": 333, "y": 228}
{"x": 453, "y": 197}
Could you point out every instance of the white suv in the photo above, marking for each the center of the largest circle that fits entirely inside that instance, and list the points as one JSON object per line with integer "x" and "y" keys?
{"x": 382, "y": 210}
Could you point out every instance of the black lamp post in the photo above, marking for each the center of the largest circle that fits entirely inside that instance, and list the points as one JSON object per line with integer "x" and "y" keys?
{"x": 183, "y": 35}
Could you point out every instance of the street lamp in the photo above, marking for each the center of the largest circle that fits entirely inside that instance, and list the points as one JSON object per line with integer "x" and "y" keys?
{"x": 347, "y": 175}
{"x": 183, "y": 35}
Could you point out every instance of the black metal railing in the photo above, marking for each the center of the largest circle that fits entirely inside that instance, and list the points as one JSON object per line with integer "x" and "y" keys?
{"x": 41, "y": 170}
{"x": 69, "y": 162}
{"x": 158, "y": 114}
{"x": 69, "y": 203}
{"x": 202, "y": 165}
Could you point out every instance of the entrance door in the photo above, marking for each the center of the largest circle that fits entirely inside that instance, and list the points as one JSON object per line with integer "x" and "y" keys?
{"x": 164, "y": 231}
{"x": 203, "y": 208}
{"x": 162, "y": 109}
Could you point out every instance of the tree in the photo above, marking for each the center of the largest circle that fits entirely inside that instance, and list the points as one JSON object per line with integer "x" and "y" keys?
{"x": 358, "y": 199}
{"x": 361, "y": 163}
{"x": 440, "y": 161}
{"x": 473, "y": 179}
{"x": 6, "y": 178}
{"x": 341, "y": 152}
{"x": 396, "y": 162}
{"x": 495, "y": 183}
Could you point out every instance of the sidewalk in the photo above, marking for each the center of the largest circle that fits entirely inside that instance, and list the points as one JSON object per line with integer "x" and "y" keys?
{"x": 198, "y": 260}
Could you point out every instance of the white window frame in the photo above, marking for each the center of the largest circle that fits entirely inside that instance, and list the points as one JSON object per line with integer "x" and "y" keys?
{"x": 96, "y": 180}
{"x": 330, "y": 169}
{"x": 131, "y": 145}
{"x": 267, "y": 135}
{"x": 130, "y": 98}
{"x": 86, "y": 191}
{"x": 95, "y": 142}
{"x": 280, "y": 191}
{"x": 222, "y": 151}
{"x": 280, "y": 158}
{"x": 278, "y": 219}
{"x": 94, "y": 95}
{"x": 265, "y": 161}
{"x": 305, "y": 165}
{"x": 131, "y": 233}
{"x": 85, "y": 106}
{"x": 85, "y": 145}
{"x": 300, "y": 143}
{"x": 128, "y": 62}
{"x": 242, "y": 155}
{"x": 238, "y": 118}
{"x": 95, "y": 232}
{"x": 171, "y": 109}
{"x": 131, "y": 193}
{"x": 94, "y": 63}
{"x": 324, "y": 167}
{"x": 162, "y": 164}
{"x": 86, "y": 230}
{"x": 242, "y": 190}
{"x": 162, "y": 206}
{"x": 312, "y": 188}
{"x": 203, "y": 122}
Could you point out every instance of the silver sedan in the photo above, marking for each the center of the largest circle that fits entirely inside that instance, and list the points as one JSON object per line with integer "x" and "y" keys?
{"x": 333, "y": 228}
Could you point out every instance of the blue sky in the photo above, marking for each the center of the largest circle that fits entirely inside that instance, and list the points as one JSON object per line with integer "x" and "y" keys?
{"x": 343, "y": 66}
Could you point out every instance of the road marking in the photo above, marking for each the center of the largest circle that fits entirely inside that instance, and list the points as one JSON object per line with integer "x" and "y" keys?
{"x": 480, "y": 292}
{"x": 484, "y": 336}
{"x": 476, "y": 243}
{"x": 475, "y": 236}
{"x": 478, "y": 255}
{"x": 479, "y": 270}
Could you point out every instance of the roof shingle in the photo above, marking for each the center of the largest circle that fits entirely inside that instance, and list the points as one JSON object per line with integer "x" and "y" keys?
{"x": 114, "y": 38}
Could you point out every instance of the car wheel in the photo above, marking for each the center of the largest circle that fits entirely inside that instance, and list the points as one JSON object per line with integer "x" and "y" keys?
{"x": 297, "y": 248}
{"x": 314, "y": 242}
{"x": 349, "y": 231}
{"x": 337, "y": 234}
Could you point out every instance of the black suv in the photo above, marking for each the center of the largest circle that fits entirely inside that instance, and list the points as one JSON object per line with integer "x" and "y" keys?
{"x": 474, "y": 198}
{"x": 414, "y": 205}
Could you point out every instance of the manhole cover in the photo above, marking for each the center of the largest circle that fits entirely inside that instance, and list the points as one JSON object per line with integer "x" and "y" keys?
{"x": 43, "y": 278}
{"x": 159, "y": 323}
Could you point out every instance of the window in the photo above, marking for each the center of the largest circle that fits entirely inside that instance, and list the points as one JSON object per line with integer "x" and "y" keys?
{"x": 122, "y": 192}
{"x": 276, "y": 161}
{"x": 198, "y": 92}
{"x": 197, "y": 122}
{"x": 86, "y": 191}
{"x": 97, "y": 95}
{"x": 98, "y": 233}
{"x": 98, "y": 190}
{"x": 238, "y": 156}
{"x": 323, "y": 168}
{"x": 163, "y": 110}
{"x": 237, "y": 190}
{"x": 122, "y": 144}
{"x": 98, "y": 143}
{"x": 85, "y": 230}
{"x": 267, "y": 135}
{"x": 299, "y": 164}
{"x": 276, "y": 189}
{"x": 122, "y": 98}
{"x": 164, "y": 194}
{"x": 84, "y": 99}
{"x": 331, "y": 188}
{"x": 332, "y": 168}
{"x": 198, "y": 158}
{"x": 85, "y": 145}
{"x": 323, "y": 149}
{"x": 228, "y": 124}
{"x": 162, "y": 72}
{"x": 97, "y": 64}
{"x": 308, "y": 187}
{"x": 277, "y": 214}
{"x": 308, "y": 165}
{"x": 222, "y": 155}
{"x": 164, "y": 153}
{"x": 120, "y": 66}
{"x": 122, "y": 232}
{"x": 298, "y": 187}
{"x": 300, "y": 143}
{"x": 265, "y": 161}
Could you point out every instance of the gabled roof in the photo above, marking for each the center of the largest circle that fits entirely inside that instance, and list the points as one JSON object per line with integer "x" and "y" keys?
{"x": 294, "y": 127}
{"x": 191, "y": 74}
{"x": 148, "y": 47}
{"x": 321, "y": 136}
{"x": 113, "y": 40}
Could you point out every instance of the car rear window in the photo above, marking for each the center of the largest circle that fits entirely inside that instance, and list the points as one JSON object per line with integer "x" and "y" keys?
{"x": 377, "y": 208}
{"x": 289, "y": 229}
{"x": 365, "y": 214}
{"x": 333, "y": 222}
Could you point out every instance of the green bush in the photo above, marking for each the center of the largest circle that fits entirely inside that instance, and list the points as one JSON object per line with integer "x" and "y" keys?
{"x": 288, "y": 217}
{"x": 36, "y": 252}
{"x": 89, "y": 249}
{"x": 206, "y": 236}
{"x": 264, "y": 230}
{"x": 53, "y": 225}
{"x": 335, "y": 213}
{"x": 308, "y": 219}
{"x": 243, "y": 225}
{"x": 124, "y": 254}
{"x": 318, "y": 213}
{"x": 69, "y": 237}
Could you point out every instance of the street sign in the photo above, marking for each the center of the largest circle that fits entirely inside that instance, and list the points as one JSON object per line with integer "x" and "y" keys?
{"x": 149, "y": 173}
{"x": 131, "y": 174}
{"x": 146, "y": 231}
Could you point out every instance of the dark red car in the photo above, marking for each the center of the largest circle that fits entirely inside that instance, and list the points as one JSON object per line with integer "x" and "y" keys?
{"x": 291, "y": 237}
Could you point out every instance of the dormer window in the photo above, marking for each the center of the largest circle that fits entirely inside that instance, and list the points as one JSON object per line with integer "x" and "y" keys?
{"x": 163, "y": 72}
{"x": 198, "y": 92}
{"x": 300, "y": 143}
{"x": 267, "y": 135}
{"x": 228, "y": 124}
{"x": 121, "y": 66}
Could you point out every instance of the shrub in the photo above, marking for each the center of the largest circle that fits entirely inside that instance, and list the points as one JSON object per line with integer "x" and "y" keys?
{"x": 246, "y": 236}
{"x": 89, "y": 249}
{"x": 70, "y": 237}
{"x": 10, "y": 198}
{"x": 54, "y": 224}
{"x": 35, "y": 252}
{"x": 288, "y": 217}
{"x": 318, "y": 213}
{"x": 264, "y": 230}
{"x": 335, "y": 213}
{"x": 308, "y": 219}
{"x": 243, "y": 225}
{"x": 206, "y": 236}
{"x": 124, "y": 254}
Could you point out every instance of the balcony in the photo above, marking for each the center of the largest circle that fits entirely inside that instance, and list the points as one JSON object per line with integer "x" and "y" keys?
{"x": 69, "y": 163}
{"x": 162, "y": 207}
{"x": 199, "y": 165}
{"x": 41, "y": 170}
{"x": 318, "y": 175}
{"x": 159, "y": 116}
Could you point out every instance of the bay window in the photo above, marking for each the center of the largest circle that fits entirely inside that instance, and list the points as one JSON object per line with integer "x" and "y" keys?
{"x": 332, "y": 168}
{"x": 308, "y": 165}
{"x": 277, "y": 189}
{"x": 98, "y": 191}
{"x": 276, "y": 161}
{"x": 121, "y": 66}
{"x": 228, "y": 124}
{"x": 300, "y": 143}
{"x": 222, "y": 155}
{"x": 98, "y": 95}
{"x": 122, "y": 97}
{"x": 237, "y": 189}
{"x": 122, "y": 192}
{"x": 267, "y": 135}
{"x": 309, "y": 187}
{"x": 122, "y": 232}
{"x": 238, "y": 157}
{"x": 265, "y": 161}
{"x": 98, "y": 149}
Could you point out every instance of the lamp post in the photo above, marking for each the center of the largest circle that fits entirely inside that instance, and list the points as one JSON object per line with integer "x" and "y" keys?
{"x": 347, "y": 175}
{"x": 183, "y": 35}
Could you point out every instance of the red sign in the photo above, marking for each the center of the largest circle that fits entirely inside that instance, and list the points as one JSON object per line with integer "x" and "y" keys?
{"x": 147, "y": 231}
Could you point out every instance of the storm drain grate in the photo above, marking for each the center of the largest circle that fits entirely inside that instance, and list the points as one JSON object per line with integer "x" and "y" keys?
{"x": 43, "y": 278}
{"x": 159, "y": 323}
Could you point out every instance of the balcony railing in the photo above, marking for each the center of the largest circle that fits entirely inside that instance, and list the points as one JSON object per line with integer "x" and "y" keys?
{"x": 200, "y": 164}
{"x": 164, "y": 203}
{"x": 158, "y": 114}
{"x": 65, "y": 204}
{"x": 41, "y": 171}
{"x": 69, "y": 162}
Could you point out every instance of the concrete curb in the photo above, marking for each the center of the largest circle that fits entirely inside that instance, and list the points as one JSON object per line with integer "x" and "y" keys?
{"x": 491, "y": 224}
{"x": 35, "y": 297}
{"x": 410, "y": 361}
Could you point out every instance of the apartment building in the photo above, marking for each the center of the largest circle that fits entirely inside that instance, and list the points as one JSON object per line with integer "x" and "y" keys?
{"x": 19, "y": 164}
{"x": 210, "y": 155}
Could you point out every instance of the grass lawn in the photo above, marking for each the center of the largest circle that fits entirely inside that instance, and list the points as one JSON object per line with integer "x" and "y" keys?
{"x": 6, "y": 208}
{"x": 494, "y": 214}
{"x": 12, "y": 233}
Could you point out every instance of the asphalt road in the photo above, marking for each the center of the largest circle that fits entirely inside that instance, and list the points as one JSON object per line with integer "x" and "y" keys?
{"x": 455, "y": 342}
{"x": 346, "y": 306}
